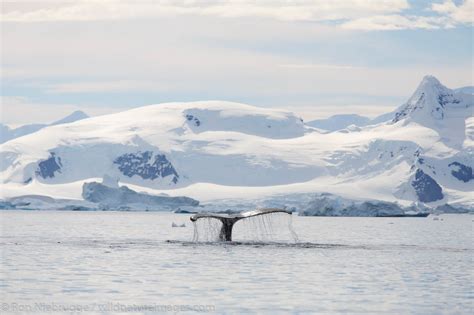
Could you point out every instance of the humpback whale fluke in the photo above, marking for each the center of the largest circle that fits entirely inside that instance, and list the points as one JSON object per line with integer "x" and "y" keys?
{"x": 228, "y": 220}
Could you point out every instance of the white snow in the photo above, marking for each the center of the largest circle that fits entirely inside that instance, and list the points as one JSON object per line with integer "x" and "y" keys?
{"x": 224, "y": 150}
{"x": 7, "y": 133}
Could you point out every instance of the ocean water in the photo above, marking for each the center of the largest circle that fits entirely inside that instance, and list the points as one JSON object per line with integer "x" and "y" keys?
{"x": 136, "y": 262}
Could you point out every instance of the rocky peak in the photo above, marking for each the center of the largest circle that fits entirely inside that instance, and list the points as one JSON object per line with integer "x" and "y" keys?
{"x": 430, "y": 102}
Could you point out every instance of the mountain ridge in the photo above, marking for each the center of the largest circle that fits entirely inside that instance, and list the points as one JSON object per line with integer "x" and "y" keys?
{"x": 220, "y": 150}
{"x": 6, "y": 133}
{"x": 334, "y": 123}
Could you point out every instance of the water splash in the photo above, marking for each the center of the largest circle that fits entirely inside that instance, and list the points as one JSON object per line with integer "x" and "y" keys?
{"x": 292, "y": 231}
{"x": 206, "y": 230}
{"x": 264, "y": 228}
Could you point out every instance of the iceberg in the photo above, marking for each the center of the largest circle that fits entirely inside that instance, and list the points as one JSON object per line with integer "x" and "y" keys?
{"x": 128, "y": 199}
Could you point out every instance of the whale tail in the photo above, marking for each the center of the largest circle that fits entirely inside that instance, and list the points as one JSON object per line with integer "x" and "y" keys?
{"x": 228, "y": 220}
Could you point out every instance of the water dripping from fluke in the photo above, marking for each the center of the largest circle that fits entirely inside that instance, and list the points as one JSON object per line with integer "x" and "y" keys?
{"x": 220, "y": 227}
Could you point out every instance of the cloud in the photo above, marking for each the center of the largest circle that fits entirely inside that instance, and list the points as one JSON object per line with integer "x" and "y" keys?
{"x": 397, "y": 22}
{"x": 107, "y": 86}
{"x": 286, "y": 10}
{"x": 463, "y": 13}
{"x": 311, "y": 66}
{"x": 448, "y": 15}
{"x": 252, "y": 55}
{"x": 349, "y": 14}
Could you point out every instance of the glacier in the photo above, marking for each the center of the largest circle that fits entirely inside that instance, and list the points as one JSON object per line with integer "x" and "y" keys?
{"x": 125, "y": 198}
{"x": 421, "y": 155}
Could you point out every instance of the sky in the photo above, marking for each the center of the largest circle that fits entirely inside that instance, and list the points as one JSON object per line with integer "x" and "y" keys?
{"x": 315, "y": 58}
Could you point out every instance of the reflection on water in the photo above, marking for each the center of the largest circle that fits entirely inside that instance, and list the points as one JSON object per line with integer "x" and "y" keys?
{"x": 338, "y": 265}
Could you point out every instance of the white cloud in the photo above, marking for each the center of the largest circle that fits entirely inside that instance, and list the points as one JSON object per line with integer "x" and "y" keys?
{"x": 286, "y": 10}
{"x": 397, "y": 22}
{"x": 351, "y": 14}
{"x": 107, "y": 86}
{"x": 253, "y": 60}
{"x": 463, "y": 13}
{"x": 320, "y": 66}
{"x": 449, "y": 15}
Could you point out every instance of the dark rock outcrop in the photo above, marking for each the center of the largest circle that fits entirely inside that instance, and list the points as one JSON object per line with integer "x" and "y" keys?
{"x": 461, "y": 171}
{"x": 426, "y": 188}
{"x": 147, "y": 165}
{"x": 48, "y": 168}
{"x": 193, "y": 119}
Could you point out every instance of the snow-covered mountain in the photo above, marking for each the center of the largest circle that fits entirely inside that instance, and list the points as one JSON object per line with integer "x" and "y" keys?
{"x": 220, "y": 151}
{"x": 465, "y": 90}
{"x": 338, "y": 122}
{"x": 74, "y": 116}
{"x": 6, "y": 133}
{"x": 435, "y": 106}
